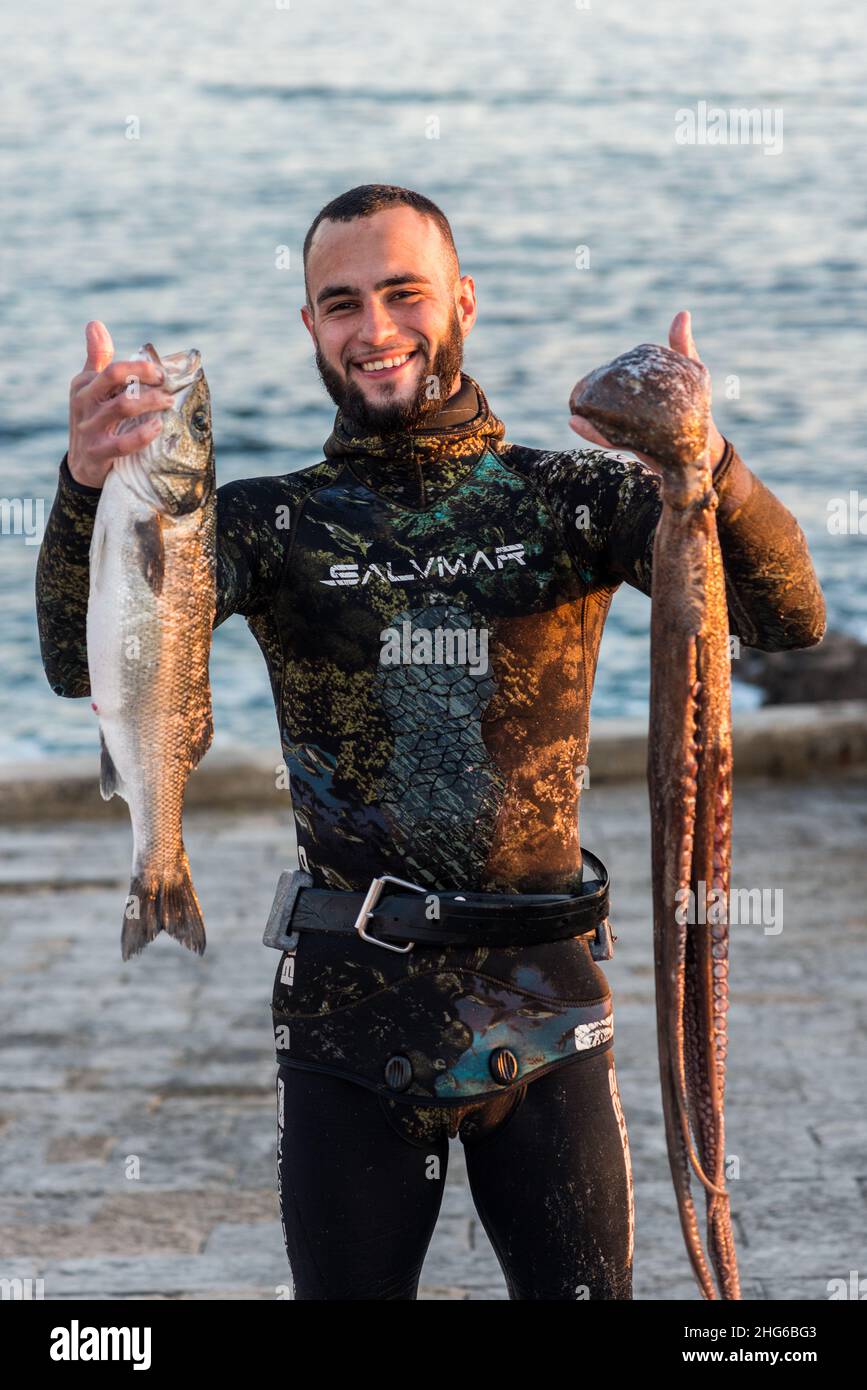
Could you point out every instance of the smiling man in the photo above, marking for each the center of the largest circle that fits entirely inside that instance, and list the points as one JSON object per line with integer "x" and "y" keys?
{"x": 466, "y": 999}
{"x": 387, "y": 351}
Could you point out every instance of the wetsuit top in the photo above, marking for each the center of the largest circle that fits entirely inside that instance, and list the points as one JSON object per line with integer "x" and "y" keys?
{"x": 430, "y": 608}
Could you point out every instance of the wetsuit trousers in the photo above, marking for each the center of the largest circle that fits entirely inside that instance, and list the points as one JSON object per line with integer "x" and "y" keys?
{"x": 361, "y": 1179}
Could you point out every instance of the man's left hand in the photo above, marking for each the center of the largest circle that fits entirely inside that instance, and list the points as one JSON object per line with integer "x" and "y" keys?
{"x": 679, "y": 340}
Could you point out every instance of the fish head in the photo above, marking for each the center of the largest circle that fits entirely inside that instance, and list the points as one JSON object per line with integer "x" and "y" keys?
{"x": 175, "y": 472}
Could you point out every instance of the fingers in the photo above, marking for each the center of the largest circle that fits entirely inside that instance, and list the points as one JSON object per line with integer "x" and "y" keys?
{"x": 124, "y": 406}
{"x": 111, "y": 446}
{"x": 116, "y": 377}
{"x": 680, "y": 337}
{"x": 100, "y": 405}
{"x": 586, "y": 430}
{"x": 100, "y": 386}
{"x": 100, "y": 348}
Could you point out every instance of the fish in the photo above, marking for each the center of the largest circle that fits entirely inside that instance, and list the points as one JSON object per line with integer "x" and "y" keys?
{"x": 150, "y": 616}
{"x": 657, "y": 401}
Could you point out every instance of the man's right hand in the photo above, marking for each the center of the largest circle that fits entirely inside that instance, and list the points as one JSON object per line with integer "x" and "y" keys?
{"x": 99, "y": 402}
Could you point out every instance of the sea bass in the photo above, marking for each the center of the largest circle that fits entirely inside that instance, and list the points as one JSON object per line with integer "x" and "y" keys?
{"x": 150, "y": 616}
{"x": 658, "y": 401}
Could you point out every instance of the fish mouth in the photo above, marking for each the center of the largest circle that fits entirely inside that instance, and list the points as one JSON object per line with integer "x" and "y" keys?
{"x": 182, "y": 369}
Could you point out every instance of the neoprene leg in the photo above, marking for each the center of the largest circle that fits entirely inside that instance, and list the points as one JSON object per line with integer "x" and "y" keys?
{"x": 358, "y": 1202}
{"x": 553, "y": 1187}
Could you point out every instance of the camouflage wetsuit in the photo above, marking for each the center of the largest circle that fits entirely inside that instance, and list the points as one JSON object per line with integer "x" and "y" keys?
{"x": 430, "y": 608}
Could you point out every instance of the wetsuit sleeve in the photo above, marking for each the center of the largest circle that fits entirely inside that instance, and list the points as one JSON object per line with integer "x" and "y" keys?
{"x": 250, "y": 553}
{"x": 253, "y": 518}
{"x": 610, "y": 507}
{"x": 62, "y": 583}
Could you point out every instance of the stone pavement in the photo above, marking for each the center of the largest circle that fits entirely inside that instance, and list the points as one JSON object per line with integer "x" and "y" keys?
{"x": 136, "y": 1100}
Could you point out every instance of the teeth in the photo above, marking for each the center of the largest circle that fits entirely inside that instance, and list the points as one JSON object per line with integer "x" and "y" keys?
{"x": 381, "y": 362}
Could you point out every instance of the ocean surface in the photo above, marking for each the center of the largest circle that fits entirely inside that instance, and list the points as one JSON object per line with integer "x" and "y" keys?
{"x": 556, "y": 127}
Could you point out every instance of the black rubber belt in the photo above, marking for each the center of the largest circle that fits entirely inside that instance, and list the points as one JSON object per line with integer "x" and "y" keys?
{"x": 465, "y": 919}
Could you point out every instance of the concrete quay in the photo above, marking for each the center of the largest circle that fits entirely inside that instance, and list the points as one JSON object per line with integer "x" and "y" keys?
{"x": 137, "y": 1104}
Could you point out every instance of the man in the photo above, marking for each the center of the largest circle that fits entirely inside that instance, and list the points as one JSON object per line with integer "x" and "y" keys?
{"x": 431, "y": 617}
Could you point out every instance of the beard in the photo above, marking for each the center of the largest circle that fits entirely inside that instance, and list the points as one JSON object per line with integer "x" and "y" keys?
{"x": 394, "y": 416}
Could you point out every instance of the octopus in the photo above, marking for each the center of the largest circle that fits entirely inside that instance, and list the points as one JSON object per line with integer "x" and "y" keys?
{"x": 657, "y": 401}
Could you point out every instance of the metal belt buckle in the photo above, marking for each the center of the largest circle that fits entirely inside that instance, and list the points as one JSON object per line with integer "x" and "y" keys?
{"x": 372, "y": 897}
{"x": 289, "y": 885}
{"x": 602, "y": 945}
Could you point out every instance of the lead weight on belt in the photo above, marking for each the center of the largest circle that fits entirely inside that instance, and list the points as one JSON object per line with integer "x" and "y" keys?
{"x": 398, "y": 1073}
{"x": 504, "y": 1065}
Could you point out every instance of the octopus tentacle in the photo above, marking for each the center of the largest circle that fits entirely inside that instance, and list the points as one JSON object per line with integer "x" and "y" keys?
{"x": 692, "y": 1072}
{"x": 695, "y": 988}
{"x": 676, "y": 988}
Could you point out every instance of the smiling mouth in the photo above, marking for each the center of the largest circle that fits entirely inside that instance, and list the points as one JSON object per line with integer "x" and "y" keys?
{"x": 384, "y": 368}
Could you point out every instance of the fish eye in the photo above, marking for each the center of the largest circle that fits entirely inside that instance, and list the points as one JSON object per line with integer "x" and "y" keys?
{"x": 200, "y": 421}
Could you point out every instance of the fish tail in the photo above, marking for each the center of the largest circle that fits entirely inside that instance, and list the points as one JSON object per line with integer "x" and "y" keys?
{"x": 155, "y": 904}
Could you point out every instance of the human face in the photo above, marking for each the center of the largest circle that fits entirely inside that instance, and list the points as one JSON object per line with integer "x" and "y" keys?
{"x": 382, "y": 289}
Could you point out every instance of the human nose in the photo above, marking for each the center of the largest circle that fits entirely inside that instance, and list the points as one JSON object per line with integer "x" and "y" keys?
{"x": 377, "y": 325}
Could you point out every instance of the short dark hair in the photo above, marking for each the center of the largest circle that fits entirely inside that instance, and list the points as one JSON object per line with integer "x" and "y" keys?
{"x": 369, "y": 198}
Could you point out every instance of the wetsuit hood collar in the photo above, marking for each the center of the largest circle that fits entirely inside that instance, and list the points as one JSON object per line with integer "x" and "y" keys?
{"x": 413, "y": 465}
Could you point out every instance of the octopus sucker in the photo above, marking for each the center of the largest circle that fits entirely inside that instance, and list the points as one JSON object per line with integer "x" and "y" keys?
{"x": 657, "y": 401}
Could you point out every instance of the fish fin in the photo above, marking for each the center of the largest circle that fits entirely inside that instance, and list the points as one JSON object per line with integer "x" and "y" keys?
{"x": 204, "y": 739}
{"x": 109, "y": 777}
{"x": 152, "y": 556}
{"x": 159, "y": 906}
